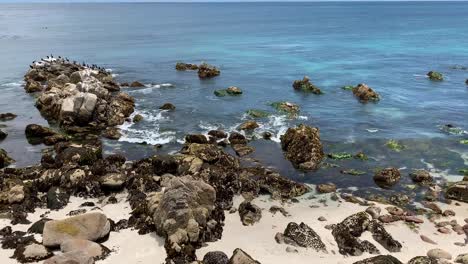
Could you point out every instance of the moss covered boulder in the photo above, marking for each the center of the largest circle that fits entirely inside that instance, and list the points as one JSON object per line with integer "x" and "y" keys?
{"x": 306, "y": 85}
{"x": 286, "y": 107}
{"x": 206, "y": 71}
{"x": 435, "y": 76}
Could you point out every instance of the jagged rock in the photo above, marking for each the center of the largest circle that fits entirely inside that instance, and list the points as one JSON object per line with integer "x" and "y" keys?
{"x": 365, "y": 94}
{"x": 242, "y": 150}
{"x": 33, "y": 86}
{"x": 302, "y": 147}
{"x": 180, "y": 66}
{"x": 306, "y": 86}
{"x": 248, "y": 125}
{"x": 38, "y": 227}
{"x": 39, "y": 131}
{"x": 167, "y": 106}
{"x": 326, "y": 188}
{"x": 374, "y": 211}
{"x": 240, "y": 257}
{"x": 237, "y": 138}
{"x": 458, "y": 191}
{"x": 207, "y": 71}
{"x": 136, "y": 84}
{"x": 382, "y": 259}
{"x": 286, "y": 107}
{"x": 85, "y": 154}
{"x": 435, "y": 76}
{"x": 249, "y": 213}
{"x": 57, "y": 198}
{"x": 218, "y": 134}
{"x": 31, "y": 253}
{"x": 196, "y": 138}
{"x": 387, "y": 177}
{"x": 91, "y": 226}
{"x": 421, "y": 176}
{"x": 7, "y": 116}
{"x": 304, "y": 236}
{"x": 215, "y": 257}
{"x": 5, "y": 160}
{"x": 423, "y": 260}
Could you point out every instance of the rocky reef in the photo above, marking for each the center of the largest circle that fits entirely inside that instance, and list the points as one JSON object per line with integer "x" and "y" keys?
{"x": 306, "y": 85}
{"x": 365, "y": 94}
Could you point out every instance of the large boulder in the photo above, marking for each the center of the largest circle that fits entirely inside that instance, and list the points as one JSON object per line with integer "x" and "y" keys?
{"x": 306, "y": 85}
{"x": 206, "y": 71}
{"x": 90, "y": 226}
{"x": 302, "y": 147}
{"x": 181, "y": 66}
{"x": 365, "y": 94}
{"x": 458, "y": 191}
{"x": 386, "y": 178}
{"x": 303, "y": 236}
{"x": 78, "y": 108}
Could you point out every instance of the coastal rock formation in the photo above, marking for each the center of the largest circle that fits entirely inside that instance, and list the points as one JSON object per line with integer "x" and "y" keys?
{"x": 302, "y": 147}
{"x": 3, "y": 135}
{"x": 206, "y": 71}
{"x": 421, "y": 177}
{"x": 248, "y": 125}
{"x": 249, "y": 213}
{"x": 386, "y": 178}
{"x": 365, "y": 94}
{"x": 287, "y": 108}
{"x": 458, "y": 191}
{"x": 435, "y": 76}
{"x": 181, "y": 66}
{"x": 423, "y": 260}
{"x": 306, "y": 85}
{"x": 303, "y": 236}
{"x": 167, "y": 106}
{"x": 232, "y": 90}
{"x": 5, "y": 160}
{"x": 78, "y": 97}
{"x": 91, "y": 226}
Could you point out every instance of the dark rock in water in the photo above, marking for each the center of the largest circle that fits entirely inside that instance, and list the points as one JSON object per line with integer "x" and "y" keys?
{"x": 249, "y": 213}
{"x": 3, "y": 135}
{"x": 383, "y": 237}
{"x": 240, "y": 257}
{"x": 38, "y": 227}
{"x": 306, "y": 86}
{"x": 237, "y": 138}
{"x": 267, "y": 135}
{"x": 458, "y": 191}
{"x": 248, "y": 125}
{"x": 304, "y": 236}
{"x": 7, "y": 116}
{"x": 31, "y": 253}
{"x": 435, "y": 76}
{"x": 218, "y": 134}
{"x": 365, "y": 94}
{"x": 196, "y": 138}
{"x": 421, "y": 177}
{"x": 387, "y": 177}
{"x": 57, "y": 198}
{"x": 256, "y": 113}
{"x": 382, "y": 259}
{"x": 215, "y": 257}
{"x": 167, "y": 106}
{"x": 180, "y": 66}
{"x": 207, "y": 71}
{"x": 466, "y": 82}
{"x": 302, "y": 147}
{"x": 220, "y": 92}
{"x": 423, "y": 260}
{"x": 242, "y": 150}
{"x": 287, "y": 108}
{"x": 5, "y": 160}
{"x": 233, "y": 90}
{"x": 136, "y": 84}
{"x": 39, "y": 131}
{"x": 112, "y": 133}
{"x": 137, "y": 118}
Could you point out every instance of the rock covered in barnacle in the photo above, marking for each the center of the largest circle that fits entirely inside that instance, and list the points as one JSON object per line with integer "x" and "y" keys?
{"x": 303, "y": 236}
{"x": 382, "y": 259}
{"x": 458, "y": 191}
{"x": 387, "y": 177}
{"x": 249, "y": 213}
{"x": 302, "y": 147}
{"x": 365, "y": 94}
{"x": 78, "y": 96}
{"x": 5, "y": 160}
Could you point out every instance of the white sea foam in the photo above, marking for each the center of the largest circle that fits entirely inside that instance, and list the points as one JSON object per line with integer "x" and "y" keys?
{"x": 13, "y": 84}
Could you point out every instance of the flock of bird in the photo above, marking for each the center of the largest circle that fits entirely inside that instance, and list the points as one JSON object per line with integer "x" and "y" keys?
{"x": 49, "y": 59}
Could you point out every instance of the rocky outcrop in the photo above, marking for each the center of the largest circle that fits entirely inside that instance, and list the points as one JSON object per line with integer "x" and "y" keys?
{"x": 91, "y": 226}
{"x": 365, "y": 94}
{"x": 458, "y": 191}
{"x": 386, "y": 178}
{"x": 181, "y": 66}
{"x": 435, "y": 76}
{"x": 78, "y": 97}
{"x": 248, "y": 125}
{"x": 232, "y": 90}
{"x": 287, "y": 108}
{"x": 306, "y": 85}
{"x": 302, "y": 146}
{"x": 206, "y": 71}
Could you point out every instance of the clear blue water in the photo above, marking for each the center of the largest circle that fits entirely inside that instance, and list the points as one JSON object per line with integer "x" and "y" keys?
{"x": 262, "y": 48}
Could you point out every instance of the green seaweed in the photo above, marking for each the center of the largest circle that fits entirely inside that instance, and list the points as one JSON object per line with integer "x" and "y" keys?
{"x": 463, "y": 171}
{"x": 221, "y": 92}
{"x": 395, "y": 145}
{"x": 361, "y": 156}
{"x": 348, "y": 87}
{"x": 286, "y": 107}
{"x": 340, "y": 156}
{"x": 353, "y": 172}
{"x": 256, "y": 113}
{"x": 464, "y": 141}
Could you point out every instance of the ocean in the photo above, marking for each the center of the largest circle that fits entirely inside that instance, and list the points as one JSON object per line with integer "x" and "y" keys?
{"x": 262, "y": 48}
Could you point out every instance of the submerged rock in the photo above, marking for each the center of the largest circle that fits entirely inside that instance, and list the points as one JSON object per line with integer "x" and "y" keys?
{"x": 167, "y": 106}
{"x": 137, "y": 84}
{"x": 3, "y": 135}
{"x": 306, "y": 86}
{"x": 181, "y": 66}
{"x": 206, "y": 71}
{"x": 256, "y": 113}
{"x": 248, "y": 125}
{"x": 421, "y": 177}
{"x": 7, "y": 116}
{"x": 137, "y": 118}
{"x": 387, "y": 177}
{"x": 91, "y": 226}
{"x": 365, "y": 94}
{"x": 286, "y": 107}
{"x": 435, "y": 76}
{"x": 302, "y": 147}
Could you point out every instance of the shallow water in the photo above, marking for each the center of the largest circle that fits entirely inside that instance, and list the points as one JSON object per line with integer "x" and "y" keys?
{"x": 261, "y": 48}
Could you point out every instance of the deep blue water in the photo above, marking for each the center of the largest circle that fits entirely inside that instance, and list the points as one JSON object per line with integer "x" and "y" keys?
{"x": 262, "y": 48}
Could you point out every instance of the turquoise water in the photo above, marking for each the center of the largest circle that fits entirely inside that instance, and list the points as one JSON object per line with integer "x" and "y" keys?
{"x": 262, "y": 48}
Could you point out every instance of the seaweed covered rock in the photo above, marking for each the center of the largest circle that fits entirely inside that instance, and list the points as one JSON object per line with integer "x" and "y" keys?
{"x": 303, "y": 236}
{"x": 215, "y": 257}
{"x": 435, "y": 76}
{"x": 5, "y": 160}
{"x": 302, "y": 147}
{"x": 167, "y": 106}
{"x": 382, "y": 259}
{"x": 365, "y": 94}
{"x": 306, "y": 85}
{"x": 181, "y": 66}
{"x": 458, "y": 191}
{"x": 248, "y": 125}
{"x": 386, "y": 178}
{"x": 423, "y": 260}
{"x": 206, "y": 71}
{"x": 421, "y": 177}
{"x": 7, "y": 116}
{"x": 91, "y": 226}
{"x": 183, "y": 216}
{"x": 286, "y": 107}
{"x": 383, "y": 237}
{"x": 249, "y": 213}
